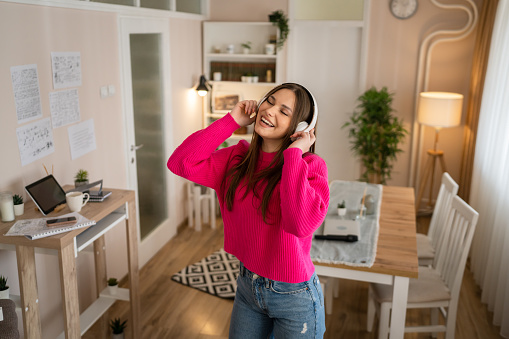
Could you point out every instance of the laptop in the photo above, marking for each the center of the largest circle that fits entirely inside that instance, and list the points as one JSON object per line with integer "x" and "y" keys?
{"x": 95, "y": 195}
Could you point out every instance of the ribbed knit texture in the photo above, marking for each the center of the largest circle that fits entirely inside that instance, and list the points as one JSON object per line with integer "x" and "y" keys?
{"x": 278, "y": 249}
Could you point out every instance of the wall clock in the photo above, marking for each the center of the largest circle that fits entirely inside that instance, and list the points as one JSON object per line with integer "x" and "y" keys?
{"x": 403, "y": 9}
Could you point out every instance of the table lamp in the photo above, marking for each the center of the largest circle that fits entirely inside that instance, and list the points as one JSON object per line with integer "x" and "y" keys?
{"x": 438, "y": 110}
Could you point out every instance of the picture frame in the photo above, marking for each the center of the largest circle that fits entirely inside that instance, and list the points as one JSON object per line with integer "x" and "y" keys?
{"x": 224, "y": 101}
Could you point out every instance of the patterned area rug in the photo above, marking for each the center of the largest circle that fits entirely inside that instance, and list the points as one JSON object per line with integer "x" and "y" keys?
{"x": 215, "y": 274}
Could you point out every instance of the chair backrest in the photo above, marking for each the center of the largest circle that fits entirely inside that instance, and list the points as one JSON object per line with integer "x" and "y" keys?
{"x": 448, "y": 189}
{"x": 454, "y": 244}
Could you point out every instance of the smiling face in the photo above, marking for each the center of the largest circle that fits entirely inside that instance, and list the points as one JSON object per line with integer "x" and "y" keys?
{"x": 274, "y": 118}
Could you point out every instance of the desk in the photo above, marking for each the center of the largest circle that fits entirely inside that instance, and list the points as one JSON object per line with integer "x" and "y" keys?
{"x": 118, "y": 207}
{"x": 396, "y": 258}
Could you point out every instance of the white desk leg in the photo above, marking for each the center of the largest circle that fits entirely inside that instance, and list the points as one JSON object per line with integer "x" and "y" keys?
{"x": 213, "y": 209}
{"x": 399, "y": 302}
{"x": 197, "y": 207}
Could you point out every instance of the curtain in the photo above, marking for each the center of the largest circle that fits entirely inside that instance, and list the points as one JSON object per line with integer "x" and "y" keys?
{"x": 489, "y": 193}
{"x": 479, "y": 65}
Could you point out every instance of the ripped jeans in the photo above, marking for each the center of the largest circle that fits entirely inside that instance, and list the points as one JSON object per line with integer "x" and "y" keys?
{"x": 265, "y": 308}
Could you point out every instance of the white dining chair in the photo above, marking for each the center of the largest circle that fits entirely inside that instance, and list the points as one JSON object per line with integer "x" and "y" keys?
{"x": 197, "y": 196}
{"x": 427, "y": 243}
{"x": 437, "y": 287}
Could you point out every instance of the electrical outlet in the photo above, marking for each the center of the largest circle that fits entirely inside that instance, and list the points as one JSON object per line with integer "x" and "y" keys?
{"x": 111, "y": 90}
{"x": 104, "y": 92}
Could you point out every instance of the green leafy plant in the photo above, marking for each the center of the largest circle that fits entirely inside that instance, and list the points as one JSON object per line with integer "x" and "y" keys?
{"x": 112, "y": 282}
{"x": 375, "y": 134}
{"x": 279, "y": 19}
{"x": 342, "y": 204}
{"x": 17, "y": 199}
{"x": 246, "y": 45}
{"x": 81, "y": 176}
{"x": 3, "y": 283}
{"x": 117, "y": 326}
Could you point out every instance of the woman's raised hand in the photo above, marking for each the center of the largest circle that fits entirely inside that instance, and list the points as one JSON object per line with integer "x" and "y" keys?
{"x": 303, "y": 140}
{"x": 242, "y": 110}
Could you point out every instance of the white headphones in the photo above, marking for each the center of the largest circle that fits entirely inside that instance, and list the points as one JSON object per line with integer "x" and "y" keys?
{"x": 303, "y": 126}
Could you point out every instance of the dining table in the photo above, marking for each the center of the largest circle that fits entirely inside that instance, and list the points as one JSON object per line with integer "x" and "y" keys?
{"x": 395, "y": 262}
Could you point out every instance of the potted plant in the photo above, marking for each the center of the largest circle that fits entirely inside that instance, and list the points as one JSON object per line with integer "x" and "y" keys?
{"x": 279, "y": 19}
{"x": 375, "y": 134}
{"x": 341, "y": 208}
{"x": 118, "y": 328}
{"x": 81, "y": 178}
{"x": 246, "y": 47}
{"x": 19, "y": 206}
{"x": 112, "y": 286}
{"x": 4, "y": 289}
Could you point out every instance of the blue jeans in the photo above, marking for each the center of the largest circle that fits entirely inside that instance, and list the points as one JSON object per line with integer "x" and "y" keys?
{"x": 265, "y": 308}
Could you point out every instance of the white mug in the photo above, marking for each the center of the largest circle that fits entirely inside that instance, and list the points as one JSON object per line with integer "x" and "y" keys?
{"x": 217, "y": 76}
{"x": 270, "y": 49}
{"x": 75, "y": 200}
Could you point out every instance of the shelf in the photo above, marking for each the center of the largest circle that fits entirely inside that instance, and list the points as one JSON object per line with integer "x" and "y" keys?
{"x": 94, "y": 232}
{"x": 122, "y": 294}
{"x": 240, "y": 56}
{"x": 243, "y": 83}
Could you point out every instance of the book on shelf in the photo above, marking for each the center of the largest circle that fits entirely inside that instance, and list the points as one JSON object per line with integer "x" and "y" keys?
{"x": 37, "y": 228}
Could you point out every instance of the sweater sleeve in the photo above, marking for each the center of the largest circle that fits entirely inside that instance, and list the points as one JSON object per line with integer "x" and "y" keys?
{"x": 196, "y": 159}
{"x": 304, "y": 193}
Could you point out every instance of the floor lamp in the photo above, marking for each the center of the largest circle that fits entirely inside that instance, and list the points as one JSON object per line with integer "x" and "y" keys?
{"x": 438, "y": 110}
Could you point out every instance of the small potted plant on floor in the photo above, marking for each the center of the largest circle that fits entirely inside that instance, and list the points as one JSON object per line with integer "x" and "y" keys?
{"x": 341, "y": 208}
{"x": 117, "y": 327}
{"x": 4, "y": 289}
{"x": 112, "y": 286}
{"x": 81, "y": 178}
{"x": 246, "y": 47}
{"x": 19, "y": 206}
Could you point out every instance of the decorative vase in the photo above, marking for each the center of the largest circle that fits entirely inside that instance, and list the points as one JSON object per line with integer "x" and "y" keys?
{"x": 4, "y": 294}
{"x": 341, "y": 211}
{"x": 19, "y": 209}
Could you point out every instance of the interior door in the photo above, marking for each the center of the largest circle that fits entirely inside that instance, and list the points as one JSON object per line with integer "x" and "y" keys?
{"x": 146, "y": 82}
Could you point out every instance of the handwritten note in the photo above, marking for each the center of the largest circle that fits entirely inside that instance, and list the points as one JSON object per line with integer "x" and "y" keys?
{"x": 64, "y": 107}
{"x": 35, "y": 141}
{"x": 66, "y": 69}
{"x": 25, "y": 84}
{"x": 82, "y": 138}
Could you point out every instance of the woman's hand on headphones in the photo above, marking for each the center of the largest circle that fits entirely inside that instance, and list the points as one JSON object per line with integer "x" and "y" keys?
{"x": 303, "y": 140}
{"x": 242, "y": 111}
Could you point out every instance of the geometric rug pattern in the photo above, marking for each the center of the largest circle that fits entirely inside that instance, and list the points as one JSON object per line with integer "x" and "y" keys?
{"x": 215, "y": 274}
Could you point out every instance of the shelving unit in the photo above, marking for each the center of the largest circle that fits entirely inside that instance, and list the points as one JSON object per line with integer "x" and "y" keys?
{"x": 217, "y": 36}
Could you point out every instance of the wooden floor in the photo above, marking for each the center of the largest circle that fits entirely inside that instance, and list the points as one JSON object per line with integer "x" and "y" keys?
{"x": 171, "y": 310}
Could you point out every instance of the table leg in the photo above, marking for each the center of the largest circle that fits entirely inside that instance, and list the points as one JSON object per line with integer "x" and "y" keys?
{"x": 399, "y": 302}
{"x": 69, "y": 285}
{"x": 28, "y": 287}
{"x": 132, "y": 262}
{"x": 100, "y": 265}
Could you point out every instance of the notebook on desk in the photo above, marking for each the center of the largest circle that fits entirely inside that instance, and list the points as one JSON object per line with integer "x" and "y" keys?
{"x": 95, "y": 195}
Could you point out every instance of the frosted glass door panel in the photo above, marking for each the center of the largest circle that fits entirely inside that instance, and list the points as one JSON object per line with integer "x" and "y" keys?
{"x": 148, "y": 111}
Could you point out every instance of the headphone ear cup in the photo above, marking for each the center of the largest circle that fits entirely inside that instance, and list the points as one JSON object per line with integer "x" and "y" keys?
{"x": 301, "y": 126}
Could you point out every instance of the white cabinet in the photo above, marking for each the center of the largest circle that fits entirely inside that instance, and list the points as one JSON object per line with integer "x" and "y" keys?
{"x": 223, "y": 53}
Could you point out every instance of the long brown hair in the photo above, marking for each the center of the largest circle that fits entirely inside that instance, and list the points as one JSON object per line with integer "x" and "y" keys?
{"x": 244, "y": 172}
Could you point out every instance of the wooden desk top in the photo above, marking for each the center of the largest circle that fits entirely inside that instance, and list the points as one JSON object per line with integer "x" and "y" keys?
{"x": 397, "y": 246}
{"x": 92, "y": 210}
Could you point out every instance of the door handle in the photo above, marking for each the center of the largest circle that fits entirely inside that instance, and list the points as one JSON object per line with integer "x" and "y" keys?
{"x": 135, "y": 148}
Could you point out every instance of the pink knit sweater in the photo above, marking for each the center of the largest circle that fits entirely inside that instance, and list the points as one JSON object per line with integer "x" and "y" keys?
{"x": 278, "y": 249}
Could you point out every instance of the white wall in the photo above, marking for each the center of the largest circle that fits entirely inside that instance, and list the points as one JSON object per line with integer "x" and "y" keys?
{"x": 28, "y": 34}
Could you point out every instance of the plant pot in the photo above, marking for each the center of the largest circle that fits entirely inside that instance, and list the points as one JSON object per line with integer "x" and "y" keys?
{"x": 19, "y": 209}
{"x": 117, "y": 336}
{"x": 245, "y": 50}
{"x": 113, "y": 289}
{"x": 4, "y": 294}
{"x": 80, "y": 183}
{"x": 341, "y": 211}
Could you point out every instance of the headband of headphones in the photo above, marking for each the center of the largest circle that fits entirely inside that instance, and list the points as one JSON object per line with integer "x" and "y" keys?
{"x": 303, "y": 126}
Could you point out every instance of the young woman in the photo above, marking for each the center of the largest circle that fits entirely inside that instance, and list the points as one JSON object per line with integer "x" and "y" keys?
{"x": 273, "y": 195}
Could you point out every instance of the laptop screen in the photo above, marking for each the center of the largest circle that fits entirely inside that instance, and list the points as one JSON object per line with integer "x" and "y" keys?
{"x": 46, "y": 193}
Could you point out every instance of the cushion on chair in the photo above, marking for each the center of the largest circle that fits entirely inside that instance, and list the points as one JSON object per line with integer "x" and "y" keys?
{"x": 424, "y": 248}
{"x": 427, "y": 288}
{"x": 9, "y": 324}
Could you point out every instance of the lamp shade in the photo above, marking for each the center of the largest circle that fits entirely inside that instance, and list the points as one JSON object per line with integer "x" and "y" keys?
{"x": 440, "y": 109}
{"x": 202, "y": 87}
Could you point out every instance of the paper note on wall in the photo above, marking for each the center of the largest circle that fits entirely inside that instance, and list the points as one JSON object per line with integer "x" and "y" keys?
{"x": 66, "y": 69}
{"x": 35, "y": 141}
{"x": 64, "y": 107}
{"x": 81, "y": 138}
{"x": 25, "y": 85}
